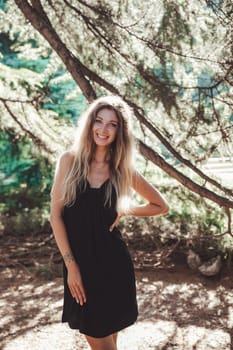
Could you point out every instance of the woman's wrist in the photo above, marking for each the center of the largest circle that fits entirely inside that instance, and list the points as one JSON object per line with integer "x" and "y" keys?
{"x": 127, "y": 212}
{"x": 69, "y": 259}
{"x": 121, "y": 214}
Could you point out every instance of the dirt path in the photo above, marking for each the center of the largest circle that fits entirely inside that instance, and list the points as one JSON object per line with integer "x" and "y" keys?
{"x": 178, "y": 309}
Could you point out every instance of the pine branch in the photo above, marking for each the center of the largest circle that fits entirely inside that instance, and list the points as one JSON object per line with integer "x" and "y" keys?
{"x": 149, "y": 153}
{"x": 27, "y": 131}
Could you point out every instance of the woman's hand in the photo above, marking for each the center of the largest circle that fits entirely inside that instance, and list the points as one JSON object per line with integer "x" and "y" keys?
{"x": 75, "y": 283}
{"x": 119, "y": 216}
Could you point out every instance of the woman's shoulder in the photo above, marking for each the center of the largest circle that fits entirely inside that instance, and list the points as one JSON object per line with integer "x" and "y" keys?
{"x": 66, "y": 159}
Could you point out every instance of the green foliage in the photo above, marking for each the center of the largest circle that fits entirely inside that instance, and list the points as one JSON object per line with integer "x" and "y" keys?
{"x": 10, "y": 56}
{"x": 25, "y": 172}
{"x": 58, "y": 102}
{"x": 58, "y": 86}
{"x": 3, "y": 4}
{"x": 26, "y": 182}
{"x": 19, "y": 168}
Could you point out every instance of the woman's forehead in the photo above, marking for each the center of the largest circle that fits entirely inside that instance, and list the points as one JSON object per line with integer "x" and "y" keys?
{"x": 107, "y": 114}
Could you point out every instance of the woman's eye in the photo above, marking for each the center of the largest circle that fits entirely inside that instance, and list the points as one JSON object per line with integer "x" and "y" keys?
{"x": 108, "y": 125}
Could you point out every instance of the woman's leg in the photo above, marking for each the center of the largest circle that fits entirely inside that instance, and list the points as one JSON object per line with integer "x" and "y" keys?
{"x": 114, "y": 335}
{"x": 106, "y": 343}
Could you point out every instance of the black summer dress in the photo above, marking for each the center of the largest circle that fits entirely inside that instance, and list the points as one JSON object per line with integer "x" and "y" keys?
{"x": 105, "y": 265}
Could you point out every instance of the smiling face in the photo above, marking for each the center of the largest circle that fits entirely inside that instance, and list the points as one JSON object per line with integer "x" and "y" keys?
{"x": 105, "y": 127}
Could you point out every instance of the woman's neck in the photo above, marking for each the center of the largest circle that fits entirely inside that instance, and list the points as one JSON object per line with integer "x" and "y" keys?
{"x": 101, "y": 156}
{"x": 99, "y": 167}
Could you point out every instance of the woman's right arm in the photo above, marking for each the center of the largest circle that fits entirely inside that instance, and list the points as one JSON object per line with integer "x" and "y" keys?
{"x": 56, "y": 209}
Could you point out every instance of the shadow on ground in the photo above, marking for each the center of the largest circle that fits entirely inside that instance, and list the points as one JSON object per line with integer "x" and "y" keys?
{"x": 178, "y": 309}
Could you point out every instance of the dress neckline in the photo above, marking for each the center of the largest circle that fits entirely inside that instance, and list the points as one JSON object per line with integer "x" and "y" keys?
{"x": 97, "y": 188}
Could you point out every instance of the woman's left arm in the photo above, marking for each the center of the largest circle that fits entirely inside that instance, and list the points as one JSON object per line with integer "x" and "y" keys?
{"x": 156, "y": 204}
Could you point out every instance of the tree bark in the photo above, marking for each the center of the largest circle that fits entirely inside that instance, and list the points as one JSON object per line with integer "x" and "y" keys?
{"x": 183, "y": 179}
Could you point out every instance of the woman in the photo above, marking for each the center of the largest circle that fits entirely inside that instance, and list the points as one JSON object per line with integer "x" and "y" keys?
{"x": 91, "y": 181}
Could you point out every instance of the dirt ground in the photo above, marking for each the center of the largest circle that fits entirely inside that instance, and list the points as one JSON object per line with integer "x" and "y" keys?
{"x": 178, "y": 309}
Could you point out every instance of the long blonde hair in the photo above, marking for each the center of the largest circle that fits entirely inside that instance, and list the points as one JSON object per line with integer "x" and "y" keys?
{"x": 83, "y": 150}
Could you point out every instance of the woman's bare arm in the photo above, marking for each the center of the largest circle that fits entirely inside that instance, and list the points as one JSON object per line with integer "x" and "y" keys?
{"x": 156, "y": 204}
{"x": 56, "y": 209}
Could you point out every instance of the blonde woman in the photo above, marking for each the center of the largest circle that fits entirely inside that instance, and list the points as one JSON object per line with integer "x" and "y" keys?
{"x": 91, "y": 179}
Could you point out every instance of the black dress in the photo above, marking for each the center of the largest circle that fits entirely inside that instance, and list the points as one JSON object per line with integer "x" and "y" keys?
{"x": 105, "y": 265}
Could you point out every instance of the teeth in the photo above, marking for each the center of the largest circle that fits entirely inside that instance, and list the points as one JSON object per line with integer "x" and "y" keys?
{"x": 102, "y": 137}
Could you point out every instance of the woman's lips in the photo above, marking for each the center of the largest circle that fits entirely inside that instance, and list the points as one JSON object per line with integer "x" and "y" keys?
{"x": 102, "y": 137}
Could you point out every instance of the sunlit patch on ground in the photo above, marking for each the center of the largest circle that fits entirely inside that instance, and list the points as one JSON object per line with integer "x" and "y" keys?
{"x": 178, "y": 310}
{"x": 167, "y": 335}
{"x": 141, "y": 336}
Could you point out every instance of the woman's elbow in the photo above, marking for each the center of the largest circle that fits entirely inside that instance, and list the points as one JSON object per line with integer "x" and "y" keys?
{"x": 165, "y": 209}
{"x": 54, "y": 218}
{"x": 159, "y": 209}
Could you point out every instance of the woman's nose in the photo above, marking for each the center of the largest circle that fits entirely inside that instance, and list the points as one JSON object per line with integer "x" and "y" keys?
{"x": 104, "y": 127}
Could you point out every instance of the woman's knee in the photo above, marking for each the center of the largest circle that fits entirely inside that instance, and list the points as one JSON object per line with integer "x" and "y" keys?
{"x": 106, "y": 343}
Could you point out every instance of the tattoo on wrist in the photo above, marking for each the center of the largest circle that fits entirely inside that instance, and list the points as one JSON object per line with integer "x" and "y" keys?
{"x": 68, "y": 257}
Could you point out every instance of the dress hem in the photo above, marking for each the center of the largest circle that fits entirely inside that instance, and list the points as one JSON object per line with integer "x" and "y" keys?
{"x": 105, "y": 334}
